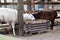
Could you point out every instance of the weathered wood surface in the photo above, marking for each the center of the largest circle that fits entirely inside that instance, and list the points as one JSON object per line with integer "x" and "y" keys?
{"x": 35, "y": 26}
{"x": 5, "y": 26}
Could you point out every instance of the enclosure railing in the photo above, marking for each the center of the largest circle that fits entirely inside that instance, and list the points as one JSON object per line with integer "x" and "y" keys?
{"x": 30, "y": 4}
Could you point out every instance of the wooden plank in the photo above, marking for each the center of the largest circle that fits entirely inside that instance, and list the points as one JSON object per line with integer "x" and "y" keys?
{"x": 42, "y": 3}
{"x": 8, "y": 3}
{"x": 28, "y": 2}
{"x": 20, "y": 17}
{"x": 47, "y": 2}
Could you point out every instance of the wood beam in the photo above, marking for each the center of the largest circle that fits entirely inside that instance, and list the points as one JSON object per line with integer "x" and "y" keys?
{"x": 26, "y": 3}
{"x": 33, "y": 5}
{"x": 29, "y": 6}
{"x": 20, "y": 17}
{"x": 8, "y": 3}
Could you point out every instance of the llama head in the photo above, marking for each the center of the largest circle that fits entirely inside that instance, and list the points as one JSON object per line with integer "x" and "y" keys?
{"x": 31, "y": 17}
{"x": 28, "y": 17}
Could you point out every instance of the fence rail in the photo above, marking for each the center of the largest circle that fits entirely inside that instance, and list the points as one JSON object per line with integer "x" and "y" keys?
{"x": 8, "y": 3}
{"x": 29, "y": 3}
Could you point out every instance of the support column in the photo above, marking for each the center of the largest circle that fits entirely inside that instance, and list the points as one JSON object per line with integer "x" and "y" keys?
{"x": 0, "y": 5}
{"x": 33, "y": 5}
{"x": 13, "y": 4}
{"x": 29, "y": 6}
{"x": 20, "y": 17}
{"x": 5, "y": 1}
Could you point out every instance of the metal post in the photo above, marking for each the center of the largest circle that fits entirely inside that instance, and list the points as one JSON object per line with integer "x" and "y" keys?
{"x": 20, "y": 17}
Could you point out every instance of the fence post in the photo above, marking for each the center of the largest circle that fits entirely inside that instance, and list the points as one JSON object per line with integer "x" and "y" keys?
{"x": 20, "y": 17}
{"x": 0, "y": 5}
{"x": 5, "y": 1}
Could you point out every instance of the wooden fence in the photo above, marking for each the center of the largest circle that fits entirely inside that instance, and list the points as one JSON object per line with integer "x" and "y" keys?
{"x": 30, "y": 4}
